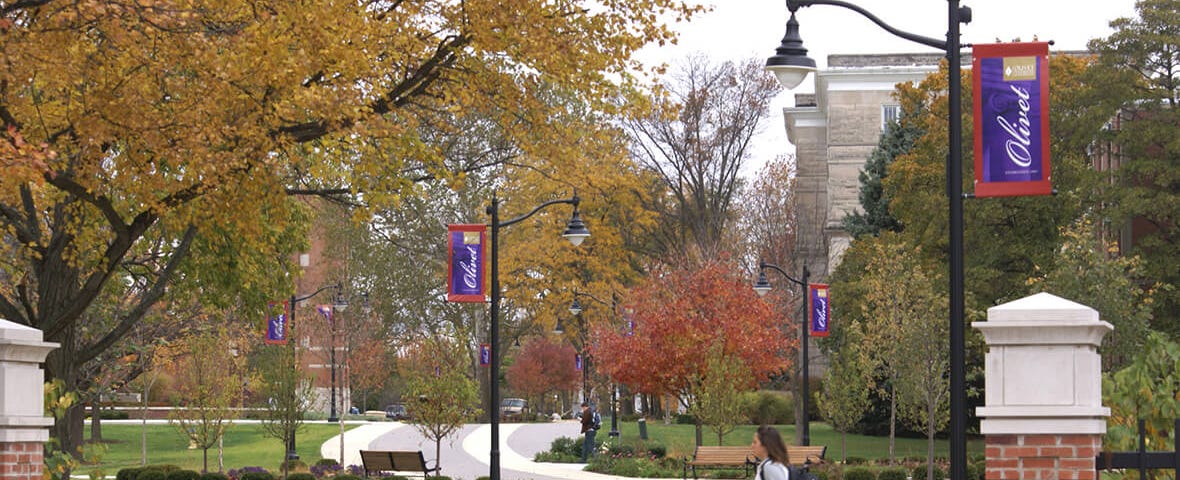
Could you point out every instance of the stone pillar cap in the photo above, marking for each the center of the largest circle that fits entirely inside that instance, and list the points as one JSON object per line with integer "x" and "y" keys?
{"x": 13, "y": 331}
{"x": 1043, "y": 307}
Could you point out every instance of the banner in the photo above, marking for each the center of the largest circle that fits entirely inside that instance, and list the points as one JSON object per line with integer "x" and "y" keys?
{"x": 1011, "y": 96}
{"x": 326, "y": 311}
{"x": 821, "y": 309}
{"x": 466, "y": 263}
{"x": 485, "y": 354}
{"x": 578, "y": 362}
{"x": 628, "y": 321}
{"x": 276, "y": 323}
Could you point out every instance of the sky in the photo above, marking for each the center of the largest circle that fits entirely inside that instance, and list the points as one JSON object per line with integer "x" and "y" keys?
{"x": 741, "y": 29}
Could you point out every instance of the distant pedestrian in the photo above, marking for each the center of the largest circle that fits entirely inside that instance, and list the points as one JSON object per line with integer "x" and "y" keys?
{"x": 768, "y": 445}
{"x": 591, "y": 422}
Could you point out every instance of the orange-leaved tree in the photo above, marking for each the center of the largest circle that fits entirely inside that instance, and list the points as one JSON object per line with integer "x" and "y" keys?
{"x": 677, "y": 311}
{"x": 541, "y": 368}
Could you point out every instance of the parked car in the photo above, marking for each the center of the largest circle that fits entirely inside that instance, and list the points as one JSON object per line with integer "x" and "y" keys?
{"x": 514, "y": 409}
{"x": 397, "y": 411}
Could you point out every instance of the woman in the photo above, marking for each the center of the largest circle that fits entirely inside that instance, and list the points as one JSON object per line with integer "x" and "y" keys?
{"x": 768, "y": 445}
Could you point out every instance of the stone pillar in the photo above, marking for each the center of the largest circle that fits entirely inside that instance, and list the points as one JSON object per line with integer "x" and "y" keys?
{"x": 1043, "y": 416}
{"x": 24, "y": 428}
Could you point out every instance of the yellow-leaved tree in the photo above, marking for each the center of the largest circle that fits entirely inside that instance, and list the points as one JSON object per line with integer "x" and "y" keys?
{"x": 136, "y": 134}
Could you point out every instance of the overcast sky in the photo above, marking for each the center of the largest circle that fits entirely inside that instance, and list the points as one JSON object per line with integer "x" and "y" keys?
{"x": 741, "y": 29}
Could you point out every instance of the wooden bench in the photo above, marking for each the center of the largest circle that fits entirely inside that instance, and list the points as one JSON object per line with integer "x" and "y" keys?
{"x": 719, "y": 457}
{"x": 379, "y": 462}
{"x": 805, "y": 455}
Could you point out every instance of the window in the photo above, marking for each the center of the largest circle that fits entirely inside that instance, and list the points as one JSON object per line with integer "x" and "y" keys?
{"x": 889, "y": 114}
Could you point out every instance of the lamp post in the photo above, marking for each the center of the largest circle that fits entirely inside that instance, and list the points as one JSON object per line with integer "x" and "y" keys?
{"x": 762, "y": 286}
{"x": 575, "y": 232}
{"x": 791, "y": 65}
{"x": 327, "y": 312}
{"x": 340, "y": 304}
{"x": 576, "y": 311}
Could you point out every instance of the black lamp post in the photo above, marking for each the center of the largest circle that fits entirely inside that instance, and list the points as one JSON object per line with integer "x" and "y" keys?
{"x": 762, "y": 286}
{"x": 341, "y": 304}
{"x": 575, "y": 232}
{"x": 791, "y": 64}
{"x": 576, "y": 311}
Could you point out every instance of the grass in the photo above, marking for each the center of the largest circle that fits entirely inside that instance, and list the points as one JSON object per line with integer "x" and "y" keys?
{"x": 244, "y": 445}
{"x": 680, "y": 440}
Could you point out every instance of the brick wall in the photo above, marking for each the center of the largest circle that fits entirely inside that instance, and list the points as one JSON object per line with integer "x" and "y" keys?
{"x": 1042, "y": 457}
{"x": 21, "y": 460}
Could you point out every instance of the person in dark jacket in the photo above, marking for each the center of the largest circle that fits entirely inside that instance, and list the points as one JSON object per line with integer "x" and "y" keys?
{"x": 589, "y": 429}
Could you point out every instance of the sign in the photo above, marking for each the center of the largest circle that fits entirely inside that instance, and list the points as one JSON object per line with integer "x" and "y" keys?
{"x": 466, "y": 263}
{"x": 821, "y": 309}
{"x": 578, "y": 362}
{"x": 277, "y": 327}
{"x": 1011, "y": 95}
{"x": 326, "y": 311}
{"x": 485, "y": 354}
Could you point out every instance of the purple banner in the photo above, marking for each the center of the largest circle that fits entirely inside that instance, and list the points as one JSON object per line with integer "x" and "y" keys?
{"x": 821, "y": 310}
{"x": 326, "y": 311}
{"x": 1011, "y": 119}
{"x": 578, "y": 362}
{"x": 276, "y": 323}
{"x": 485, "y": 354}
{"x": 465, "y": 263}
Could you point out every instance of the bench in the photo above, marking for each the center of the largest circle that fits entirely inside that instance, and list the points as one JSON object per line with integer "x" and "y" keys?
{"x": 719, "y": 457}
{"x": 802, "y": 456}
{"x": 381, "y": 462}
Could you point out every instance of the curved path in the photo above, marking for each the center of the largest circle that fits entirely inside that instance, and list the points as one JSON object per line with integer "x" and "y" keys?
{"x": 465, "y": 456}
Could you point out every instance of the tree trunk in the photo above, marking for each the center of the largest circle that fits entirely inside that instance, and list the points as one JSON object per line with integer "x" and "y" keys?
{"x": 892, "y": 424}
{"x": 700, "y": 431}
{"x": 96, "y": 420}
{"x": 204, "y": 459}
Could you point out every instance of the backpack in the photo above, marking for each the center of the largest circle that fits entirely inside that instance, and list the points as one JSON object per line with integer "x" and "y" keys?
{"x": 597, "y": 421}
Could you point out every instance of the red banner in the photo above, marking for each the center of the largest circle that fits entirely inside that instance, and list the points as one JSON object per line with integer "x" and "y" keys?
{"x": 466, "y": 265}
{"x": 1011, "y": 95}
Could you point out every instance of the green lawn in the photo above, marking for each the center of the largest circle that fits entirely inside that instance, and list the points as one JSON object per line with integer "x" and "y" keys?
{"x": 680, "y": 440}
{"x": 244, "y": 444}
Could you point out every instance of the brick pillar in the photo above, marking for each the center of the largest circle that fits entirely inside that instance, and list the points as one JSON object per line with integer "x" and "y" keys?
{"x": 23, "y": 425}
{"x": 1042, "y": 417}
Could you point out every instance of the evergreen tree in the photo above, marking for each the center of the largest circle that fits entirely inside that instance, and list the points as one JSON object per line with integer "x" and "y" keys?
{"x": 874, "y": 216}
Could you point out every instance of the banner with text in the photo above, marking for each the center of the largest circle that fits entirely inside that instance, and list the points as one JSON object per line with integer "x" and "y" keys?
{"x": 465, "y": 263}
{"x": 1011, "y": 96}
{"x": 485, "y": 354}
{"x": 821, "y": 309}
{"x": 276, "y": 323}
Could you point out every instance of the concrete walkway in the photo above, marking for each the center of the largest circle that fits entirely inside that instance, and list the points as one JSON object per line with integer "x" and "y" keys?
{"x": 467, "y": 456}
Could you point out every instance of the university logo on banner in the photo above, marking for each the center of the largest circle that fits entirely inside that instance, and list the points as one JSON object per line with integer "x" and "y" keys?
{"x": 1011, "y": 98}
{"x": 466, "y": 266}
{"x": 277, "y": 326}
{"x": 485, "y": 354}
{"x": 821, "y": 310}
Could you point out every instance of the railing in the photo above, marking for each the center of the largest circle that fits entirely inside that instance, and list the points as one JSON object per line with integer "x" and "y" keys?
{"x": 1141, "y": 460}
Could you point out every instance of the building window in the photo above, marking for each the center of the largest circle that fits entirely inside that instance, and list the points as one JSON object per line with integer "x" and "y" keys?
{"x": 889, "y": 114}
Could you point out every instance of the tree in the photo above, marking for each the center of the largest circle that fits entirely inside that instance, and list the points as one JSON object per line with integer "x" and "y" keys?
{"x": 874, "y": 215}
{"x": 1136, "y": 88}
{"x": 436, "y": 374}
{"x": 847, "y": 384}
{"x": 133, "y": 132}
{"x": 679, "y": 309}
{"x": 695, "y": 141}
{"x": 541, "y": 368}
{"x": 207, "y": 384}
{"x": 722, "y": 382}
{"x": 1147, "y": 389}
{"x": 288, "y": 393}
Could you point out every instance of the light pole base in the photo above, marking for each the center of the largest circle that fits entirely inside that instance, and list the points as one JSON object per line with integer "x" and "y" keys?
{"x": 613, "y": 433}
{"x": 333, "y": 419}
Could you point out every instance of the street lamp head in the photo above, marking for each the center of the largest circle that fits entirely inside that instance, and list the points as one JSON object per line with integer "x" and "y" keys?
{"x": 762, "y": 286}
{"x": 558, "y": 329}
{"x": 790, "y": 62}
{"x": 576, "y": 231}
{"x": 575, "y": 308}
{"x": 341, "y": 302}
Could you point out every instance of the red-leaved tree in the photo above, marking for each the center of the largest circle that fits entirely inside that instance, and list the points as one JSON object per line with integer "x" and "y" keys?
{"x": 679, "y": 312}
{"x": 542, "y": 368}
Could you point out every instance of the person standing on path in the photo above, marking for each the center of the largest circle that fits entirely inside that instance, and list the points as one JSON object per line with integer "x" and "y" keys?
{"x": 589, "y": 429}
{"x": 768, "y": 445}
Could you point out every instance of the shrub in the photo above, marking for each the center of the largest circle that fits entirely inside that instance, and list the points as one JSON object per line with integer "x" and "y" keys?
{"x": 828, "y": 471}
{"x": 127, "y": 473}
{"x": 859, "y": 473}
{"x": 657, "y": 449}
{"x": 294, "y": 466}
{"x": 237, "y": 474}
{"x": 685, "y": 419}
{"x": 919, "y": 472}
{"x": 855, "y": 460}
{"x": 256, "y": 476}
{"x": 327, "y": 461}
{"x": 768, "y": 408}
{"x": 183, "y": 475}
{"x": 894, "y": 473}
{"x": 348, "y": 476}
{"x": 113, "y": 414}
{"x": 620, "y": 449}
{"x": 148, "y": 474}
{"x": 323, "y": 469}
{"x": 566, "y": 446}
{"x": 214, "y": 476}
{"x": 976, "y": 470}
{"x": 300, "y": 476}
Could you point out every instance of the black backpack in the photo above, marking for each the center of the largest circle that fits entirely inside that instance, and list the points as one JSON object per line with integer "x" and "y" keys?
{"x": 597, "y": 421}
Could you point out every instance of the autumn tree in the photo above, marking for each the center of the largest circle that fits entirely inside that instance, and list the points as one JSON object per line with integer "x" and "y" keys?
{"x": 1148, "y": 389}
{"x": 722, "y": 384}
{"x": 677, "y": 310}
{"x": 288, "y": 393}
{"x": 696, "y": 141}
{"x": 847, "y": 384}
{"x": 207, "y": 387}
{"x": 446, "y": 396}
{"x": 542, "y": 368}
{"x": 194, "y": 122}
